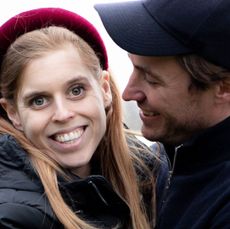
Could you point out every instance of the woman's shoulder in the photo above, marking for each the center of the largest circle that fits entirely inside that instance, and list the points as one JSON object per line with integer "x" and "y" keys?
{"x": 150, "y": 156}
{"x": 153, "y": 156}
{"x": 23, "y": 207}
{"x": 20, "y": 216}
{"x": 22, "y": 199}
{"x": 11, "y": 151}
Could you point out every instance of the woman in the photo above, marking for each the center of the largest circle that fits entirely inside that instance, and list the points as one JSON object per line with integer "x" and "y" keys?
{"x": 66, "y": 161}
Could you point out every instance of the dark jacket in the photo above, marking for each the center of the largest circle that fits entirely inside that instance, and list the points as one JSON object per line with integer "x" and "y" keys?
{"x": 198, "y": 193}
{"x": 24, "y": 205}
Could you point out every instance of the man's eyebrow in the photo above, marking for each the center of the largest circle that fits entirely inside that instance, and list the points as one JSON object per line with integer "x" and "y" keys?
{"x": 148, "y": 71}
{"x": 142, "y": 68}
{"x": 153, "y": 74}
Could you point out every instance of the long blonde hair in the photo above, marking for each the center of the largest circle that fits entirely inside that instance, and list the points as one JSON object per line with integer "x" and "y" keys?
{"x": 113, "y": 149}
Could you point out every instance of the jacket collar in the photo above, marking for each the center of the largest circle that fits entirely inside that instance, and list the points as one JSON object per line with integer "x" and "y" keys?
{"x": 209, "y": 147}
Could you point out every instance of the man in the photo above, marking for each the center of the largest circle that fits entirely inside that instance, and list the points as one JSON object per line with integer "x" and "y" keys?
{"x": 180, "y": 50}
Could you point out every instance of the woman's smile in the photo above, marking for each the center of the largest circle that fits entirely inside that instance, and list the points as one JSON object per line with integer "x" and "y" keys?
{"x": 68, "y": 137}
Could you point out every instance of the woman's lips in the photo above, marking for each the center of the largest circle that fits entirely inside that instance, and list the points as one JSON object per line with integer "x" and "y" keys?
{"x": 68, "y": 137}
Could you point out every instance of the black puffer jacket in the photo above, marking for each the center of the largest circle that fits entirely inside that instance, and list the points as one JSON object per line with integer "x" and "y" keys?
{"x": 24, "y": 205}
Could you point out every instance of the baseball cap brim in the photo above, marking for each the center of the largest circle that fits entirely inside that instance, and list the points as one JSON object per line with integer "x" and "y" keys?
{"x": 135, "y": 30}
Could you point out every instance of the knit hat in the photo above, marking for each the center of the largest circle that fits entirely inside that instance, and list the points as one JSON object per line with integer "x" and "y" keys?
{"x": 42, "y": 17}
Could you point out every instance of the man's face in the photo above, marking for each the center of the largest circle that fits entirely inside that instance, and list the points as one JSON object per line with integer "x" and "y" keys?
{"x": 170, "y": 109}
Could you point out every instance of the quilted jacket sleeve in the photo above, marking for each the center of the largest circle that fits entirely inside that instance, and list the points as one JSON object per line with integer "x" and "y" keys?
{"x": 18, "y": 216}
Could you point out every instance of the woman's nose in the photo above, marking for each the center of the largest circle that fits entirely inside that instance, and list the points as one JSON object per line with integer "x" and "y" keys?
{"x": 62, "y": 111}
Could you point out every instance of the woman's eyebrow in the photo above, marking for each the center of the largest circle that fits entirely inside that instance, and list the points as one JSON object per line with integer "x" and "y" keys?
{"x": 78, "y": 79}
{"x": 35, "y": 93}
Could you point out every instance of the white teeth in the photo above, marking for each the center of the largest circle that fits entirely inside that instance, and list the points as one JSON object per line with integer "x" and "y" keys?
{"x": 148, "y": 113}
{"x": 69, "y": 137}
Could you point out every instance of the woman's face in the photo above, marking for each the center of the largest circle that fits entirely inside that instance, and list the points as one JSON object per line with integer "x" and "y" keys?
{"x": 60, "y": 105}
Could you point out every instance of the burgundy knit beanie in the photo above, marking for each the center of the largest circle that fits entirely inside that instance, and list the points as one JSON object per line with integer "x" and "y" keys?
{"x": 42, "y": 17}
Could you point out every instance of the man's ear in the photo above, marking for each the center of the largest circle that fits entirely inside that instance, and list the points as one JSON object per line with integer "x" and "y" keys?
{"x": 223, "y": 91}
{"x": 106, "y": 88}
{"x": 11, "y": 113}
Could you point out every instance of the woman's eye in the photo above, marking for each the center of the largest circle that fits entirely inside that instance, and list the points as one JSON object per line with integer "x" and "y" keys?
{"x": 76, "y": 91}
{"x": 38, "y": 102}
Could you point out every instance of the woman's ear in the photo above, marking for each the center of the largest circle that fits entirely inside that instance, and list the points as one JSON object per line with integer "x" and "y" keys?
{"x": 11, "y": 113}
{"x": 106, "y": 88}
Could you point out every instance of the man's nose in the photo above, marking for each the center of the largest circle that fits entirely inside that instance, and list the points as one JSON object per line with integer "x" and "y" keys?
{"x": 133, "y": 90}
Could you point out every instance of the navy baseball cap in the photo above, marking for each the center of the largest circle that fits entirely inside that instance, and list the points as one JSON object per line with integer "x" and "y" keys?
{"x": 170, "y": 27}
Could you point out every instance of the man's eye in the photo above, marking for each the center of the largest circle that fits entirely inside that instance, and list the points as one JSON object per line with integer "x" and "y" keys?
{"x": 150, "y": 79}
